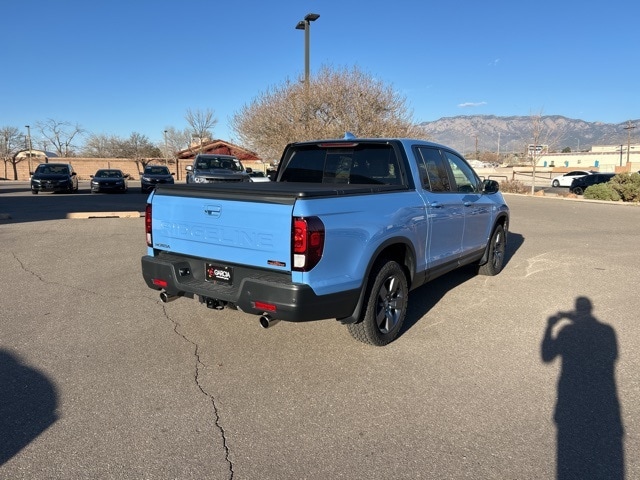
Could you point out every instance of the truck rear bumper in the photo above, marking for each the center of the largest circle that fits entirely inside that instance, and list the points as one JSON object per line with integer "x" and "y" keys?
{"x": 185, "y": 276}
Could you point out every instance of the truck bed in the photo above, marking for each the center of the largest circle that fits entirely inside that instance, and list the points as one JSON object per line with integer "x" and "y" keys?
{"x": 273, "y": 192}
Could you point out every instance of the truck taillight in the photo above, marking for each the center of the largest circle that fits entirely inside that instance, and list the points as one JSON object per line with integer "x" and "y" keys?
{"x": 147, "y": 224}
{"x": 307, "y": 242}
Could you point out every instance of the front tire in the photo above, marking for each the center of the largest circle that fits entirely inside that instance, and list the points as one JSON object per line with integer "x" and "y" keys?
{"x": 385, "y": 305}
{"x": 555, "y": 183}
{"x": 495, "y": 257}
{"x": 578, "y": 191}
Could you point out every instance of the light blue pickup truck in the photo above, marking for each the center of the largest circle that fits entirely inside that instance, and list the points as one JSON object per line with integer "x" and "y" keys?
{"x": 345, "y": 231}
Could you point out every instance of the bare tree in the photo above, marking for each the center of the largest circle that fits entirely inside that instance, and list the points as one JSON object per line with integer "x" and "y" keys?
{"x": 201, "y": 123}
{"x": 334, "y": 101}
{"x": 60, "y": 135}
{"x": 11, "y": 139}
{"x": 101, "y": 146}
{"x": 176, "y": 141}
{"x": 139, "y": 148}
{"x": 545, "y": 135}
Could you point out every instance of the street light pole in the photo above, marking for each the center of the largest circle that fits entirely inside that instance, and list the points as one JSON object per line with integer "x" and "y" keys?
{"x": 6, "y": 152}
{"x": 166, "y": 150}
{"x": 305, "y": 25}
{"x": 621, "y": 154}
{"x": 29, "y": 141}
{"x": 628, "y": 128}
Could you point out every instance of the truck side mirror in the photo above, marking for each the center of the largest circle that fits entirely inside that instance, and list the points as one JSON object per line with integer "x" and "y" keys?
{"x": 189, "y": 168}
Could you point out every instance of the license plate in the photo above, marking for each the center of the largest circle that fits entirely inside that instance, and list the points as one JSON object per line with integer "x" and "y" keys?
{"x": 218, "y": 273}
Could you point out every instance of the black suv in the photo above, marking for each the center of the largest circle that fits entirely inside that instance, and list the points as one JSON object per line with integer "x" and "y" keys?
{"x": 153, "y": 175}
{"x": 579, "y": 185}
{"x": 54, "y": 177}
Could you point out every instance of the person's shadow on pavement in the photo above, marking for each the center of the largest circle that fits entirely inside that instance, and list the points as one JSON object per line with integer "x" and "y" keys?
{"x": 28, "y": 402}
{"x": 587, "y": 416}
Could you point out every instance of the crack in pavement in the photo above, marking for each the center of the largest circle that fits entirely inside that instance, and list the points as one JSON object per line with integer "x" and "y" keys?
{"x": 23, "y": 267}
{"x": 74, "y": 288}
{"x": 200, "y": 364}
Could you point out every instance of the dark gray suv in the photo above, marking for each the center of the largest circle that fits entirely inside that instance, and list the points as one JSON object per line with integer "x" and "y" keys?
{"x": 212, "y": 168}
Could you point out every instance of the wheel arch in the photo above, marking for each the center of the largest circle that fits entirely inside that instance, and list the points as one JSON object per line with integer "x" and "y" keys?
{"x": 502, "y": 220}
{"x": 400, "y": 250}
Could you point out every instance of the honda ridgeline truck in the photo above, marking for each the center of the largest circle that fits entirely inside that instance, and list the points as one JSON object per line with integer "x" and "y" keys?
{"x": 347, "y": 229}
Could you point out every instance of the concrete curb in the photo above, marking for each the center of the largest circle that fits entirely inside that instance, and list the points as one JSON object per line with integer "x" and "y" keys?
{"x": 570, "y": 199}
{"x": 84, "y": 215}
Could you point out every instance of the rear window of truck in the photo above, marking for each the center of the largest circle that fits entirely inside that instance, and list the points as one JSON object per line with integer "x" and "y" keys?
{"x": 357, "y": 163}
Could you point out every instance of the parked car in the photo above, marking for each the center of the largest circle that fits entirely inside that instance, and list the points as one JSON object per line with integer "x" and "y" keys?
{"x": 54, "y": 177}
{"x": 580, "y": 184}
{"x": 153, "y": 175}
{"x": 214, "y": 168}
{"x": 565, "y": 179}
{"x": 109, "y": 180}
{"x": 258, "y": 177}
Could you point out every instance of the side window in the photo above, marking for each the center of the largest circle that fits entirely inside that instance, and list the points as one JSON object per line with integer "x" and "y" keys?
{"x": 466, "y": 181}
{"x": 433, "y": 173}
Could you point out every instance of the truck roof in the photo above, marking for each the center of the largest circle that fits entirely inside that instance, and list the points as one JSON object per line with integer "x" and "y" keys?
{"x": 402, "y": 140}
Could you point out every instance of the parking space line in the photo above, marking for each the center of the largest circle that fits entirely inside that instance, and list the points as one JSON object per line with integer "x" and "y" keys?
{"x": 105, "y": 214}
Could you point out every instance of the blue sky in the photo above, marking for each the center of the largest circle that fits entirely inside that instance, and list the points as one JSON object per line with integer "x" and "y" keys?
{"x": 121, "y": 66}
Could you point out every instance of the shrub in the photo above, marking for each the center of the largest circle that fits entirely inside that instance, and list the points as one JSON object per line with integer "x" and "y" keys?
{"x": 627, "y": 186}
{"x": 514, "y": 186}
{"x": 602, "y": 191}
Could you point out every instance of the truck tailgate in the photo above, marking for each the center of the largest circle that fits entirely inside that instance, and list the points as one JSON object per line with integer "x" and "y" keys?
{"x": 234, "y": 230}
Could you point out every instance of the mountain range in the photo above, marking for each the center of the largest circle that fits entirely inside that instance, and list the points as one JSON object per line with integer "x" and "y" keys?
{"x": 488, "y": 133}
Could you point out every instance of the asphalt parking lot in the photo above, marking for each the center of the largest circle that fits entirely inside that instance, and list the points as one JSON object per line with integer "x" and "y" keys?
{"x": 102, "y": 380}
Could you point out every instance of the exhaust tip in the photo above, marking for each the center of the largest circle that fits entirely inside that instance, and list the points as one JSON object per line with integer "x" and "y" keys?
{"x": 266, "y": 321}
{"x": 166, "y": 298}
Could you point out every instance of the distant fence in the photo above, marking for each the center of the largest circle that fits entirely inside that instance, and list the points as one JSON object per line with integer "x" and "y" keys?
{"x": 505, "y": 177}
{"x": 541, "y": 172}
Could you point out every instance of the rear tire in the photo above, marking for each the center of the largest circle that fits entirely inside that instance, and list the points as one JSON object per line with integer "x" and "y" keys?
{"x": 578, "y": 191}
{"x": 385, "y": 305}
{"x": 495, "y": 258}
